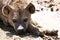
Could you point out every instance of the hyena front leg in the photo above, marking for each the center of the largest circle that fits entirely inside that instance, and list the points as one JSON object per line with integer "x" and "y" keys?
{"x": 34, "y": 31}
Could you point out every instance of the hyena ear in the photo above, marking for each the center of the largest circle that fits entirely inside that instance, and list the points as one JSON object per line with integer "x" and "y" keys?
{"x": 31, "y": 8}
{"x": 6, "y": 10}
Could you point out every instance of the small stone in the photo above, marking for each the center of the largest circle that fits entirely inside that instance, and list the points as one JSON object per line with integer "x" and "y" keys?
{"x": 57, "y": 9}
{"x": 52, "y": 9}
{"x": 51, "y": 5}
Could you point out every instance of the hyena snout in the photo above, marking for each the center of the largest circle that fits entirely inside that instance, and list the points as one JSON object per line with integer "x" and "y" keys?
{"x": 21, "y": 26}
{"x": 21, "y": 29}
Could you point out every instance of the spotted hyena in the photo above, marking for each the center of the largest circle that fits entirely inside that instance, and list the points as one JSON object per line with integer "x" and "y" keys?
{"x": 18, "y": 15}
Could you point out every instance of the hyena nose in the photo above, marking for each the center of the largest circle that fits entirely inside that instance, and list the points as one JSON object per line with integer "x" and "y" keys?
{"x": 20, "y": 27}
{"x": 20, "y": 30}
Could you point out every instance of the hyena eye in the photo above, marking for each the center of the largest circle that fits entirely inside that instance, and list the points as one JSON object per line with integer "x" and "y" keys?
{"x": 14, "y": 20}
{"x": 25, "y": 20}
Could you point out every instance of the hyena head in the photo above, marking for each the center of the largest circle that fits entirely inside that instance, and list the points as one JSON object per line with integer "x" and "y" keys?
{"x": 19, "y": 19}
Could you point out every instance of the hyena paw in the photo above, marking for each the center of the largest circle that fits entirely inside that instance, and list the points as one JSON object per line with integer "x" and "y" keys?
{"x": 38, "y": 33}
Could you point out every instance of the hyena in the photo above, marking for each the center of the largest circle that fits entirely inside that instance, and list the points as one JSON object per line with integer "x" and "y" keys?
{"x": 18, "y": 16}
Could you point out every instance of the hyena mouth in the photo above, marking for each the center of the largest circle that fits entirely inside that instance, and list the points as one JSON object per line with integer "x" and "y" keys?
{"x": 20, "y": 30}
